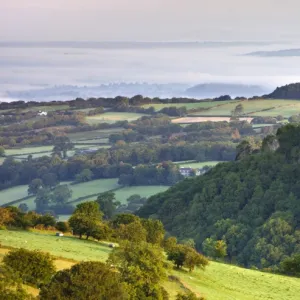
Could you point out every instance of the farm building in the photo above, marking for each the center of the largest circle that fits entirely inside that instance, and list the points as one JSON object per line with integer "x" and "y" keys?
{"x": 186, "y": 172}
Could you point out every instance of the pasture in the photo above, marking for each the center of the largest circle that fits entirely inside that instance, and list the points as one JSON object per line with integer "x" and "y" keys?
{"x": 198, "y": 165}
{"x": 113, "y": 117}
{"x": 196, "y": 105}
{"x": 261, "y": 107}
{"x": 190, "y": 120}
{"x": 93, "y": 134}
{"x": 217, "y": 282}
{"x": 226, "y": 282}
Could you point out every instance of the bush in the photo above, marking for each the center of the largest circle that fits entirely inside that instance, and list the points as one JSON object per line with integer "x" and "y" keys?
{"x": 34, "y": 267}
{"x": 62, "y": 226}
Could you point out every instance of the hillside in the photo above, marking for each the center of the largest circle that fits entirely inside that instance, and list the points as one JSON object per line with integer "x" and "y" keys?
{"x": 289, "y": 91}
{"x": 211, "y": 90}
{"x": 217, "y": 282}
{"x": 252, "y": 204}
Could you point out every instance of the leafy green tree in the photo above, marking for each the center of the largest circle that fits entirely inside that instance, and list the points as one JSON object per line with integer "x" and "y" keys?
{"x": 155, "y": 230}
{"x": 84, "y": 176}
{"x": 50, "y": 180}
{"x": 5, "y": 216}
{"x": 188, "y": 296}
{"x": 170, "y": 243}
{"x": 107, "y": 204}
{"x": 62, "y": 226}
{"x": 291, "y": 265}
{"x": 34, "y": 267}
{"x": 102, "y": 232}
{"x": 61, "y": 194}
{"x": 214, "y": 249}
{"x": 11, "y": 285}
{"x": 34, "y": 186}
{"x": 62, "y": 144}
{"x": 47, "y": 220}
{"x": 87, "y": 280}
{"x": 123, "y": 219}
{"x": 23, "y": 207}
{"x": 134, "y": 232}
{"x": 142, "y": 266}
{"x": 177, "y": 255}
{"x": 42, "y": 200}
{"x": 85, "y": 219}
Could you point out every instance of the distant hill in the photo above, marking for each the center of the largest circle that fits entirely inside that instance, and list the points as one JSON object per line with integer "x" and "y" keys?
{"x": 289, "y": 91}
{"x": 278, "y": 53}
{"x": 211, "y": 90}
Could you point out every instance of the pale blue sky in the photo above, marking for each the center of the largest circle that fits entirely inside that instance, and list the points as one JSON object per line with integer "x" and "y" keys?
{"x": 97, "y": 20}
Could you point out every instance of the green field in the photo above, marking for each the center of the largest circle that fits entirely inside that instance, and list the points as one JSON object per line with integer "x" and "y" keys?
{"x": 79, "y": 190}
{"x": 12, "y": 194}
{"x": 67, "y": 247}
{"x": 198, "y": 165}
{"x": 285, "y": 108}
{"x": 93, "y": 134}
{"x": 217, "y": 282}
{"x": 112, "y": 117}
{"x": 200, "y": 104}
{"x": 28, "y": 150}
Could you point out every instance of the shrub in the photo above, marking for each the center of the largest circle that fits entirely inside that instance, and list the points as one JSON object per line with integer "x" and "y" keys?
{"x": 34, "y": 267}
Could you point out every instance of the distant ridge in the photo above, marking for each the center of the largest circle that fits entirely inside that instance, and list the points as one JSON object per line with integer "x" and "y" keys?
{"x": 209, "y": 90}
{"x": 278, "y": 53}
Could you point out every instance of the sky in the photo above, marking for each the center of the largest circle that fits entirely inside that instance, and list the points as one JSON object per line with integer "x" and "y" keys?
{"x": 148, "y": 20}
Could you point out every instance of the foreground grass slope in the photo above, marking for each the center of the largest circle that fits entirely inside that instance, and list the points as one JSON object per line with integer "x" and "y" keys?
{"x": 217, "y": 282}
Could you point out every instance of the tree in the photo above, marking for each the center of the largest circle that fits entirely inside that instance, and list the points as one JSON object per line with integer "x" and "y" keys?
{"x": 85, "y": 219}
{"x": 188, "y": 296}
{"x": 5, "y": 216}
{"x": 42, "y": 200}
{"x": 87, "y": 280}
{"x": 34, "y": 186}
{"x": 34, "y": 267}
{"x": 291, "y": 265}
{"x": 23, "y": 207}
{"x": 170, "y": 243}
{"x": 62, "y": 144}
{"x": 186, "y": 256}
{"x": 11, "y": 285}
{"x": 84, "y": 176}
{"x": 238, "y": 110}
{"x": 50, "y": 180}
{"x": 155, "y": 230}
{"x": 134, "y": 232}
{"x": 107, "y": 204}
{"x": 62, "y": 226}
{"x": 61, "y": 194}
{"x": 124, "y": 219}
{"x": 142, "y": 266}
{"x": 101, "y": 232}
{"x": 2, "y": 151}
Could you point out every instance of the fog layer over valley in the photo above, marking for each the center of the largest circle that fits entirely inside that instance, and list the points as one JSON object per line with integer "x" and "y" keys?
{"x": 63, "y": 71}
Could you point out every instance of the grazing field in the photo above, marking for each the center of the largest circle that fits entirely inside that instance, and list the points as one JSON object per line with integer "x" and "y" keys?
{"x": 47, "y": 108}
{"x": 217, "y": 282}
{"x": 78, "y": 190}
{"x": 93, "y": 187}
{"x": 225, "y": 282}
{"x": 256, "y": 107}
{"x": 12, "y": 194}
{"x": 124, "y": 193}
{"x": 199, "y": 104}
{"x": 93, "y": 134}
{"x": 28, "y": 150}
{"x": 189, "y": 120}
{"x": 112, "y": 117}
{"x": 67, "y": 247}
{"x": 198, "y": 165}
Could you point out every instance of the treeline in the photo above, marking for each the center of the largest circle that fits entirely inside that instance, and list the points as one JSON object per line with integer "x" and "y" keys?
{"x": 289, "y": 91}
{"x": 252, "y": 205}
{"x": 136, "y": 269}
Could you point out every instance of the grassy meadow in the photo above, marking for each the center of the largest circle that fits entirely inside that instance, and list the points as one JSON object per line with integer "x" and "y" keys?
{"x": 217, "y": 282}
{"x": 199, "y": 104}
{"x": 198, "y": 165}
{"x": 112, "y": 117}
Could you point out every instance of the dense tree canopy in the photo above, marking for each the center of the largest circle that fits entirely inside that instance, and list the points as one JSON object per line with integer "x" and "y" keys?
{"x": 253, "y": 205}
